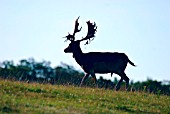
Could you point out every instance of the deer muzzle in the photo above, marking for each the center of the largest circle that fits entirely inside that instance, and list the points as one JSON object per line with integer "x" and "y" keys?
{"x": 67, "y": 50}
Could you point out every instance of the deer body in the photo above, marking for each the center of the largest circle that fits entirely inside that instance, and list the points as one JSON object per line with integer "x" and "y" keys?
{"x": 104, "y": 62}
{"x": 98, "y": 62}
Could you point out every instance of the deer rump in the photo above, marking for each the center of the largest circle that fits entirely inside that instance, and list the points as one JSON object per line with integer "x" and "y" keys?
{"x": 100, "y": 62}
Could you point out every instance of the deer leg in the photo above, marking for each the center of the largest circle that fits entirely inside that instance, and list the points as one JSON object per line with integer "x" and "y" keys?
{"x": 111, "y": 74}
{"x": 84, "y": 78}
{"x": 126, "y": 79}
{"x": 95, "y": 79}
{"x": 118, "y": 84}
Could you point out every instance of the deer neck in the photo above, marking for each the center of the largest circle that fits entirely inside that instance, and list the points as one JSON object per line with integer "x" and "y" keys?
{"x": 78, "y": 55}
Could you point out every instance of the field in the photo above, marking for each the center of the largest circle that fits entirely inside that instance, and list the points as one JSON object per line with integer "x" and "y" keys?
{"x": 33, "y": 98}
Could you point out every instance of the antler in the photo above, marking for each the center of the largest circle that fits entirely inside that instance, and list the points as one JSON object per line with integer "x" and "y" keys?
{"x": 92, "y": 28}
{"x": 72, "y": 37}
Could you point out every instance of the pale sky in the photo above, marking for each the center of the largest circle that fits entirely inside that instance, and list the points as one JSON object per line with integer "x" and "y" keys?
{"x": 139, "y": 28}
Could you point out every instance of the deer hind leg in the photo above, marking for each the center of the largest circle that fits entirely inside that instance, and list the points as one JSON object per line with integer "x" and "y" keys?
{"x": 118, "y": 84}
{"x": 123, "y": 77}
{"x": 84, "y": 78}
{"x": 126, "y": 79}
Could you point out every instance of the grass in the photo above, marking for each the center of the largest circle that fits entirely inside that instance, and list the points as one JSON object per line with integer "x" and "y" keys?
{"x": 20, "y": 97}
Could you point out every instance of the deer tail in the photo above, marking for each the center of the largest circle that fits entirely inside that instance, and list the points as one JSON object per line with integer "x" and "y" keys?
{"x": 131, "y": 63}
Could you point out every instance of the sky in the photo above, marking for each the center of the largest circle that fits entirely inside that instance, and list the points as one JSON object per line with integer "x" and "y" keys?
{"x": 139, "y": 28}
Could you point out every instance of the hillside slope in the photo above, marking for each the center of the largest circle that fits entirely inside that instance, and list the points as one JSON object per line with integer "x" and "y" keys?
{"x": 20, "y": 97}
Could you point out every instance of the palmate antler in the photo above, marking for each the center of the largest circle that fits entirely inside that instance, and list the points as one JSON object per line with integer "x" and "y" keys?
{"x": 92, "y": 28}
{"x": 72, "y": 37}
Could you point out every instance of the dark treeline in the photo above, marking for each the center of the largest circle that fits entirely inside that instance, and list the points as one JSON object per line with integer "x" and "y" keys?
{"x": 30, "y": 70}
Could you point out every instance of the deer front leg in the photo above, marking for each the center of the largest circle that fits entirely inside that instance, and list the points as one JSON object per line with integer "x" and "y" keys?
{"x": 84, "y": 78}
{"x": 95, "y": 79}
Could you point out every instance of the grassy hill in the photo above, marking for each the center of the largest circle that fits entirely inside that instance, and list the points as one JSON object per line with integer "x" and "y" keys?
{"x": 20, "y": 97}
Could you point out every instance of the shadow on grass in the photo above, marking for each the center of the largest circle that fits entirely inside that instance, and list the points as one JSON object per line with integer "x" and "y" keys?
{"x": 7, "y": 109}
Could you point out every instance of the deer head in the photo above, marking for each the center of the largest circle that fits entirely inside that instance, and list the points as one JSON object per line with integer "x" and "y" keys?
{"x": 75, "y": 44}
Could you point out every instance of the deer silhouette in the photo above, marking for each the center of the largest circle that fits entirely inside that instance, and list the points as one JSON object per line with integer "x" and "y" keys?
{"x": 97, "y": 62}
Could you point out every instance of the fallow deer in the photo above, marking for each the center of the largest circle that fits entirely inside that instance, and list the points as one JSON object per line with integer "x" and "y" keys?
{"x": 97, "y": 62}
